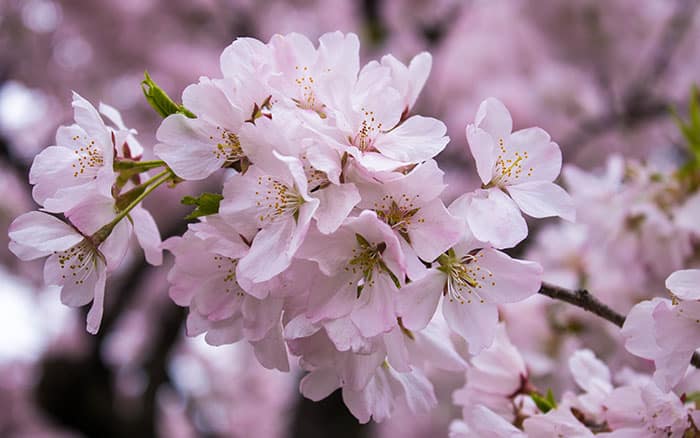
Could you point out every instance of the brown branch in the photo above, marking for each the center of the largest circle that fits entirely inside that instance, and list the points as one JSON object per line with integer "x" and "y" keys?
{"x": 583, "y": 299}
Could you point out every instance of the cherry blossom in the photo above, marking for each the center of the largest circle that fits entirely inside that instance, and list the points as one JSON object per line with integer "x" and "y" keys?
{"x": 362, "y": 267}
{"x": 77, "y": 262}
{"x": 667, "y": 331}
{"x": 79, "y": 166}
{"x": 522, "y": 164}
{"x": 473, "y": 279}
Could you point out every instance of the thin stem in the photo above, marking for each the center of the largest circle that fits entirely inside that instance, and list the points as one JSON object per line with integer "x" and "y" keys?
{"x": 583, "y": 299}
{"x": 156, "y": 181}
{"x": 155, "y": 177}
{"x": 140, "y": 165}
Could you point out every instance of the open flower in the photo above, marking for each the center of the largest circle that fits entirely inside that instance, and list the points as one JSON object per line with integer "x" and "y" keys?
{"x": 279, "y": 205}
{"x": 196, "y": 148}
{"x": 410, "y": 205}
{"x": 79, "y": 166}
{"x": 666, "y": 331}
{"x": 521, "y": 164}
{"x": 362, "y": 267}
{"x": 369, "y": 125}
{"x": 77, "y": 263}
{"x": 473, "y": 279}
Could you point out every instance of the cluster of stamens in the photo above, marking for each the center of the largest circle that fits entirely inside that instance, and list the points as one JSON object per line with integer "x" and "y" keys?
{"x": 314, "y": 177}
{"x": 364, "y": 140}
{"x": 308, "y": 99}
{"x": 510, "y": 167}
{"x": 227, "y": 266}
{"x": 77, "y": 262}
{"x": 399, "y": 215}
{"x": 465, "y": 277}
{"x": 228, "y": 147}
{"x": 366, "y": 258}
{"x": 276, "y": 200}
{"x": 89, "y": 159}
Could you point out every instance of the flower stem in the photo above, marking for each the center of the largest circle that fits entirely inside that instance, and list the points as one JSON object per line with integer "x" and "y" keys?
{"x": 140, "y": 165}
{"x": 101, "y": 234}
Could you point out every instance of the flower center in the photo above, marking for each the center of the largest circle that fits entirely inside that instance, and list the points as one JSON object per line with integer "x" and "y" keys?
{"x": 509, "y": 166}
{"x": 228, "y": 147}
{"x": 369, "y": 128}
{"x": 398, "y": 215}
{"x": 227, "y": 268}
{"x": 89, "y": 159}
{"x": 465, "y": 277}
{"x": 77, "y": 262}
{"x": 307, "y": 96}
{"x": 276, "y": 200}
{"x": 366, "y": 260}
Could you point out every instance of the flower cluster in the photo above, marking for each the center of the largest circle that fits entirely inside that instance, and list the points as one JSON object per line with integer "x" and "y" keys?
{"x": 667, "y": 331}
{"x": 499, "y": 400}
{"x": 78, "y": 178}
{"x": 329, "y": 239}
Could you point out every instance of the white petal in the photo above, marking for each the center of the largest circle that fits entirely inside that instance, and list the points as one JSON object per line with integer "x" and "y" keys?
{"x": 543, "y": 199}
{"x": 685, "y": 284}
{"x": 37, "y": 234}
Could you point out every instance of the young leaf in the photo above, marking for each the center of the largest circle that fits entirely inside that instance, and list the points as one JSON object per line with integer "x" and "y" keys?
{"x": 159, "y": 99}
{"x": 205, "y": 204}
{"x": 544, "y": 403}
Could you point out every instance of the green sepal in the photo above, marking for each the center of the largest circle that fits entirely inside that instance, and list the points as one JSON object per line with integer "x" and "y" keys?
{"x": 160, "y": 101}
{"x": 544, "y": 403}
{"x": 206, "y": 204}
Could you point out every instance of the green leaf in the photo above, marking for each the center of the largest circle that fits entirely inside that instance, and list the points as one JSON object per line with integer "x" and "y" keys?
{"x": 159, "y": 99}
{"x": 206, "y": 204}
{"x": 544, "y": 403}
{"x": 693, "y": 397}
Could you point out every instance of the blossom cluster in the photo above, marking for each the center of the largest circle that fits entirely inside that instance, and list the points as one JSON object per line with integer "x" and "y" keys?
{"x": 499, "y": 400}
{"x": 329, "y": 241}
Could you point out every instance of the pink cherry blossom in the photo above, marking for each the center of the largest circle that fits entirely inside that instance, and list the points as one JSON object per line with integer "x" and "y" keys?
{"x": 495, "y": 378}
{"x": 666, "y": 331}
{"x": 204, "y": 279}
{"x": 593, "y": 376}
{"x": 645, "y": 411}
{"x": 522, "y": 164}
{"x": 196, "y": 148}
{"x": 76, "y": 262}
{"x": 79, "y": 166}
{"x": 474, "y": 279}
{"x": 368, "y": 124}
{"x": 308, "y": 76}
{"x": 362, "y": 267}
{"x": 279, "y": 205}
{"x": 411, "y": 207}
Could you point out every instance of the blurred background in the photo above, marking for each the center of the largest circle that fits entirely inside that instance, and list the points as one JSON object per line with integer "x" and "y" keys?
{"x": 598, "y": 75}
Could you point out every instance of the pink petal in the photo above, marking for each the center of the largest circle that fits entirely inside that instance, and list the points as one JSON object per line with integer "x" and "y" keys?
{"x": 147, "y": 234}
{"x": 495, "y": 218}
{"x": 336, "y": 203}
{"x": 494, "y": 118}
{"x": 483, "y": 148}
{"x": 94, "y": 317}
{"x": 476, "y": 322}
{"x": 543, "y": 199}
{"x": 416, "y": 139}
{"x": 37, "y": 234}
{"x": 418, "y": 300}
{"x": 685, "y": 284}
{"x": 319, "y": 384}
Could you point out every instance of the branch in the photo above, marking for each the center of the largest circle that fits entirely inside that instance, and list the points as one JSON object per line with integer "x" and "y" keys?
{"x": 583, "y": 299}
